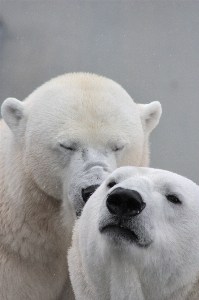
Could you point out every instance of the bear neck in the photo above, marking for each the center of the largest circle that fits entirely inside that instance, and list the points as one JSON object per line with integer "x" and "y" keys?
{"x": 28, "y": 217}
{"x": 148, "y": 283}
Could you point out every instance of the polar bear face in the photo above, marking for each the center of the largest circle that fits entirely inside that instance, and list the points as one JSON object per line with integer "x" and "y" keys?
{"x": 76, "y": 129}
{"x": 147, "y": 208}
{"x": 144, "y": 224}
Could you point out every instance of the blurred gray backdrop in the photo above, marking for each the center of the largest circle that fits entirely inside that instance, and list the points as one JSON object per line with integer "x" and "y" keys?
{"x": 150, "y": 47}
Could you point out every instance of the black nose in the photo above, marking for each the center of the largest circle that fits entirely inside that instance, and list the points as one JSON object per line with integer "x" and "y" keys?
{"x": 124, "y": 202}
{"x": 87, "y": 192}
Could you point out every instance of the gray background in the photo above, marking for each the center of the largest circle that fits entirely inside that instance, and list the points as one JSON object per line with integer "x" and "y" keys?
{"x": 150, "y": 47}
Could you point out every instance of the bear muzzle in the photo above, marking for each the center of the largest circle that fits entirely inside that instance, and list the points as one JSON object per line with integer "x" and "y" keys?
{"x": 87, "y": 192}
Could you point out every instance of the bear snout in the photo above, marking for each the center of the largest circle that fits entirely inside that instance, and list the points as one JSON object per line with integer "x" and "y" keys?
{"x": 124, "y": 202}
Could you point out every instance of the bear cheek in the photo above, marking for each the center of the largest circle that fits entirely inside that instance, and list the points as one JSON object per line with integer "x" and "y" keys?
{"x": 44, "y": 171}
{"x": 49, "y": 182}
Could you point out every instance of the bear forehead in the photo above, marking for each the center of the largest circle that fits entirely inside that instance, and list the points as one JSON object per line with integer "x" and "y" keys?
{"x": 157, "y": 178}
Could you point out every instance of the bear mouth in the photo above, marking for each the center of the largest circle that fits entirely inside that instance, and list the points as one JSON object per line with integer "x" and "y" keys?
{"x": 120, "y": 234}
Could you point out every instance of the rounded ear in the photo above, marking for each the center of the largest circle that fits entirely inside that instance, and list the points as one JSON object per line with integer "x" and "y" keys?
{"x": 150, "y": 115}
{"x": 12, "y": 111}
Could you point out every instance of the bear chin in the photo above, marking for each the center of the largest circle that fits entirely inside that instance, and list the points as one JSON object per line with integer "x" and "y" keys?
{"x": 121, "y": 234}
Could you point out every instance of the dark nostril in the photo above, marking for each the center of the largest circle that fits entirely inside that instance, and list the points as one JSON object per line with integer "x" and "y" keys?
{"x": 87, "y": 192}
{"x": 124, "y": 202}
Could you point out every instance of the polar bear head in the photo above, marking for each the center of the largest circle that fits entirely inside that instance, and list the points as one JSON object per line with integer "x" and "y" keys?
{"x": 140, "y": 231}
{"x": 76, "y": 129}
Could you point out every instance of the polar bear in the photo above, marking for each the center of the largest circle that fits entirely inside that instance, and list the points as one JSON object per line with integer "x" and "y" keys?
{"x": 57, "y": 146}
{"x": 138, "y": 238}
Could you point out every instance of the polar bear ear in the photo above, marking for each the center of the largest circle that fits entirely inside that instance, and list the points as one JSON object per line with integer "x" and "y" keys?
{"x": 150, "y": 115}
{"x": 12, "y": 111}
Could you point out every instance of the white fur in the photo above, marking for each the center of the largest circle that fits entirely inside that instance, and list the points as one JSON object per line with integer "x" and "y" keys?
{"x": 163, "y": 263}
{"x": 68, "y": 134}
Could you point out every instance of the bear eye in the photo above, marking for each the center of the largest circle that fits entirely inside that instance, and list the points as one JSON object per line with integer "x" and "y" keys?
{"x": 111, "y": 184}
{"x": 118, "y": 148}
{"x": 174, "y": 199}
{"x": 70, "y": 148}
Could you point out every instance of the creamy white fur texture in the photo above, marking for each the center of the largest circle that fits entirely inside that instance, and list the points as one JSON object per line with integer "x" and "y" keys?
{"x": 69, "y": 134}
{"x": 160, "y": 261}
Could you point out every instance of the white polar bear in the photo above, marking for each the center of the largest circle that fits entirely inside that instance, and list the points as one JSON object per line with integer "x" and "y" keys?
{"x": 56, "y": 147}
{"x": 138, "y": 239}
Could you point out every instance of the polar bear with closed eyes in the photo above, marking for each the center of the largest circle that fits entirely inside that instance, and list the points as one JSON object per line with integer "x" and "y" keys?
{"x": 138, "y": 239}
{"x": 56, "y": 147}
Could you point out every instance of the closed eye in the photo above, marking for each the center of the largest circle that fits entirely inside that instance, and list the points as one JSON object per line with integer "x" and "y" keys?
{"x": 117, "y": 145}
{"x": 118, "y": 148}
{"x": 173, "y": 199}
{"x": 70, "y": 148}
